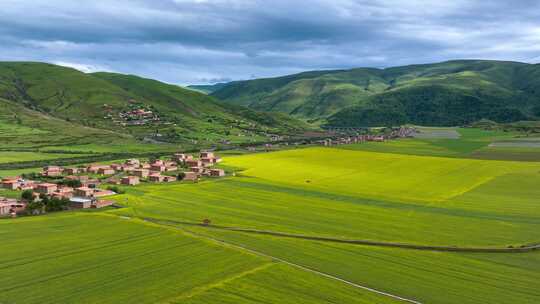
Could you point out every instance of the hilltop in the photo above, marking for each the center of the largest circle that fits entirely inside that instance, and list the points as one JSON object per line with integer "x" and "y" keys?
{"x": 447, "y": 93}
{"x": 71, "y": 103}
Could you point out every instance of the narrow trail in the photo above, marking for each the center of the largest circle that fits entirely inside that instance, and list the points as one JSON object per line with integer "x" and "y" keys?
{"x": 295, "y": 265}
{"x": 521, "y": 249}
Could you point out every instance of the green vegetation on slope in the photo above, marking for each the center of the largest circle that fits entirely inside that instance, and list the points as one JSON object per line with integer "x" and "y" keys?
{"x": 448, "y": 93}
{"x": 96, "y": 100}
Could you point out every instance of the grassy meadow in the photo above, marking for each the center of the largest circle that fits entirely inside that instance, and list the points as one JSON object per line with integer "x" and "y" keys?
{"x": 393, "y": 194}
{"x": 93, "y": 258}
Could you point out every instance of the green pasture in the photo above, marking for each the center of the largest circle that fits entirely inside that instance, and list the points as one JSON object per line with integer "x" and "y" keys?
{"x": 359, "y": 195}
{"x": 93, "y": 258}
{"x": 428, "y": 277}
{"x": 470, "y": 141}
{"x": 12, "y": 156}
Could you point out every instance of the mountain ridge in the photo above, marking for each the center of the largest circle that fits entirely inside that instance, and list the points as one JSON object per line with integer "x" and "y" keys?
{"x": 330, "y": 96}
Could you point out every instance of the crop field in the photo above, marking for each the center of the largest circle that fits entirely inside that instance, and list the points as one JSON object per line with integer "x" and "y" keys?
{"x": 93, "y": 258}
{"x": 154, "y": 250}
{"x": 12, "y": 156}
{"x": 439, "y": 142}
{"x": 358, "y": 195}
{"x": 428, "y": 277}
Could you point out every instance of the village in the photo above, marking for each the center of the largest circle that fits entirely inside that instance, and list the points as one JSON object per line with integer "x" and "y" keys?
{"x": 88, "y": 186}
{"x": 82, "y": 187}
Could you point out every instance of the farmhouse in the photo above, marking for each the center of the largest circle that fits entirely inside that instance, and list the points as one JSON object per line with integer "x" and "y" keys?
{"x": 80, "y": 203}
{"x": 197, "y": 169}
{"x": 101, "y": 204}
{"x": 106, "y": 171}
{"x": 51, "y": 171}
{"x": 159, "y": 168}
{"x": 169, "y": 179}
{"x": 155, "y": 177}
{"x": 46, "y": 188}
{"x": 130, "y": 180}
{"x": 94, "y": 169}
{"x": 84, "y": 192}
{"x": 217, "y": 172}
{"x": 63, "y": 192}
{"x": 133, "y": 162}
{"x": 126, "y": 168}
{"x": 193, "y": 163}
{"x": 142, "y": 173}
{"x": 207, "y": 154}
{"x": 11, "y": 184}
{"x": 191, "y": 176}
{"x": 71, "y": 171}
{"x": 117, "y": 167}
{"x": 101, "y": 193}
{"x": 10, "y": 206}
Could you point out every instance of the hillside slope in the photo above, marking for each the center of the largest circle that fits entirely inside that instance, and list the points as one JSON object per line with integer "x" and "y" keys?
{"x": 112, "y": 101}
{"x": 448, "y": 93}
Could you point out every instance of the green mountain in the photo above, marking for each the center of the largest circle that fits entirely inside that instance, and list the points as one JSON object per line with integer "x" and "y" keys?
{"x": 447, "y": 93}
{"x": 112, "y": 102}
{"x": 208, "y": 88}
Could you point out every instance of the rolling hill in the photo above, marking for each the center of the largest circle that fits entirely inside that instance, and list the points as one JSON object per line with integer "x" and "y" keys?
{"x": 447, "y": 93}
{"x": 80, "y": 103}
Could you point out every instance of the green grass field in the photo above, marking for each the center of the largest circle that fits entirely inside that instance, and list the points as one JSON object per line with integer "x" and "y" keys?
{"x": 11, "y": 156}
{"x": 93, "y": 258}
{"x": 116, "y": 256}
{"x": 429, "y": 277}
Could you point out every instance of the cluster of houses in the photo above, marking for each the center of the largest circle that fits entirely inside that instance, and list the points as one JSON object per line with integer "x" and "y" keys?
{"x": 401, "y": 132}
{"x": 87, "y": 194}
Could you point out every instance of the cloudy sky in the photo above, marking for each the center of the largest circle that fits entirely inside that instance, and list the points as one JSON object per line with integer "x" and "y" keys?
{"x": 207, "y": 41}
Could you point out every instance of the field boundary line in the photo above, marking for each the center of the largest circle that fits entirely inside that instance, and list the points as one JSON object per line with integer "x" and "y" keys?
{"x": 520, "y": 249}
{"x": 301, "y": 267}
{"x": 202, "y": 289}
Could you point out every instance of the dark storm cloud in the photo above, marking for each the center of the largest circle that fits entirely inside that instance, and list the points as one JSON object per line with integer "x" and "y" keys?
{"x": 196, "y": 41}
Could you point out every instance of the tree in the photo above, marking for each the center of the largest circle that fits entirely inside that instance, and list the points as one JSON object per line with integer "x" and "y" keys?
{"x": 181, "y": 176}
{"x": 27, "y": 195}
{"x": 56, "y": 204}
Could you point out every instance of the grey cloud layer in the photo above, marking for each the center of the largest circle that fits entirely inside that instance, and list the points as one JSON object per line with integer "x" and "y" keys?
{"x": 194, "y": 41}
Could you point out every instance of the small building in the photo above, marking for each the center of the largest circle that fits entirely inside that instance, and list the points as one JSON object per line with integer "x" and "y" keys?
{"x": 193, "y": 163}
{"x": 84, "y": 192}
{"x": 101, "y": 203}
{"x": 158, "y": 162}
{"x": 46, "y": 188}
{"x": 106, "y": 171}
{"x": 169, "y": 179}
{"x": 63, "y": 192}
{"x": 171, "y": 168}
{"x": 101, "y": 193}
{"x": 71, "y": 171}
{"x": 11, "y": 184}
{"x": 133, "y": 162}
{"x": 191, "y": 176}
{"x": 145, "y": 166}
{"x": 141, "y": 173}
{"x": 117, "y": 167}
{"x": 207, "y": 162}
{"x": 155, "y": 177}
{"x": 197, "y": 169}
{"x": 158, "y": 168}
{"x": 217, "y": 172}
{"x": 127, "y": 168}
{"x": 130, "y": 180}
{"x": 207, "y": 154}
{"x": 80, "y": 202}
